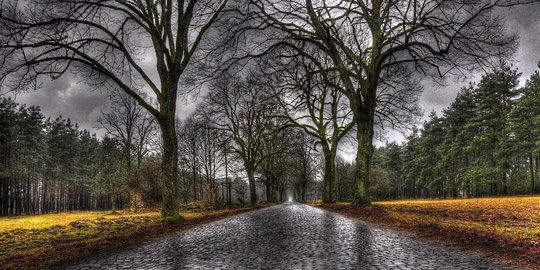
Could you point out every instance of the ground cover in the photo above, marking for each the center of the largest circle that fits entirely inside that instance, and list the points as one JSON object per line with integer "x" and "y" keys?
{"x": 28, "y": 242}
{"x": 506, "y": 227}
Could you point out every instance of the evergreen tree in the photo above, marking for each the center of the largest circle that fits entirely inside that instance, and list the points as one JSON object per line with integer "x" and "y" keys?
{"x": 485, "y": 143}
{"x": 430, "y": 176}
{"x": 454, "y": 158}
{"x": 411, "y": 166}
{"x": 524, "y": 126}
{"x": 494, "y": 96}
{"x": 111, "y": 172}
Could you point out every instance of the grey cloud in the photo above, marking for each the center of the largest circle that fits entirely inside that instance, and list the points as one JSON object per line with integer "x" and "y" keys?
{"x": 525, "y": 20}
{"x": 522, "y": 19}
{"x": 67, "y": 98}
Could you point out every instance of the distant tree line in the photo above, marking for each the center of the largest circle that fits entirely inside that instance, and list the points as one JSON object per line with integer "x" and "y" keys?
{"x": 486, "y": 143}
{"x": 248, "y": 141}
{"x": 51, "y": 165}
{"x": 366, "y": 53}
{"x": 240, "y": 129}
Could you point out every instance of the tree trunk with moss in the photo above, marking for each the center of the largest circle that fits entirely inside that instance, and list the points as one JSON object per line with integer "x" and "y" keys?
{"x": 329, "y": 175}
{"x": 363, "y": 166}
{"x": 169, "y": 167}
{"x": 364, "y": 113}
{"x": 252, "y": 188}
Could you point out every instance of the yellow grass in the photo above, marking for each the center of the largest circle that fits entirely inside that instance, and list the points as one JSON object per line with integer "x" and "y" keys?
{"x": 49, "y": 220}
{"x": 516, "y": 217}
{"x": 62, "y": 219}
{"x": 527, "y": 200}
{"x": 35, "y": 241}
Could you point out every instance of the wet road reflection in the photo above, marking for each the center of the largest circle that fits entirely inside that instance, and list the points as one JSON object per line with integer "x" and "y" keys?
{"x": 287, "y": 236}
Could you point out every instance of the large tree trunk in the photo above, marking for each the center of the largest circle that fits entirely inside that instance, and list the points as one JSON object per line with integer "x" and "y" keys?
{"x": 169, "y": 169}
{"x": 364, "y": 136}
{"x": 252, "y": 188}
{"x": 329, "y": 176}
{"x": 135, "y": 200}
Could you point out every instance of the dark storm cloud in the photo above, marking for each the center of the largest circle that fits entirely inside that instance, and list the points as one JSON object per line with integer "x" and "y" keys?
{"x": 72, "y": 100}
{"x": 525, "y": 20}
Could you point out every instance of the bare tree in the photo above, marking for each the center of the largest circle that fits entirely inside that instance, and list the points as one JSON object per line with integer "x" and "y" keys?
{"x": 210, "y": 146}
{"x": 318, "y": 109}
{"x": 278, "y": 146}
{"x": 303, "y": 160}
{"x": 129, "y": 124}
{"x": 244, "y": 109}
{"x": 190, "y": 156}
{"x": 107, "y": 42}
{"x": 367, "y": 40}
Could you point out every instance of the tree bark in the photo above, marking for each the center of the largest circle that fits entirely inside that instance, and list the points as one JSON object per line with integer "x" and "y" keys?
{"x": 365, "y": 149}
{"x": 329, "y": 176}
{"x": 169, "y": 169}
{"x": 274, "y": 191}
{"x": 303, "y": 192}
{"x": 252, "y": 188}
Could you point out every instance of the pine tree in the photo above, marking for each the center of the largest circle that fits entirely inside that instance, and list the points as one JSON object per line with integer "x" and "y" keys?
{"x": 411, "y": 167}
{"x": 495, "y": 97}
{"x": 432, "y": 137}
{"x": 111, "y": 172}
{"x": 455, "y": 159}
{"x": 524, "y": 126}
{"x": 8, "y": 116}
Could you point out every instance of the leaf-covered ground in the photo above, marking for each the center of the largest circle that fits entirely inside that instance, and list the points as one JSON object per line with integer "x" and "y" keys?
{"x": 35, "y": 241}
{"x": 507, "y": 227}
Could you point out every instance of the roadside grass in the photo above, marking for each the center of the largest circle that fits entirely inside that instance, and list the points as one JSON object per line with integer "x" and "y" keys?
{"x": 64, "y": 218}
{"x": 506, "y": 227}
{"x": 30, "y": 242}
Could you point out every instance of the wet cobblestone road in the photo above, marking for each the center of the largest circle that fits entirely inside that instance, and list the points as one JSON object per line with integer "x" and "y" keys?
{"x": 287, "y": 236}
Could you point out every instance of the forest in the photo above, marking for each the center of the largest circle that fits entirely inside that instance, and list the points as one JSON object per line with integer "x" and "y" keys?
{"x": 486, "y": 143}
{"x": 281, "y": 89}
{"x": 287, "y": 134}
{"x": 51, "y": 165}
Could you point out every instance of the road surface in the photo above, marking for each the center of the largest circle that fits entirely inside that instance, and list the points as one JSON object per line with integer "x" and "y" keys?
{"x": 287, "y": 236}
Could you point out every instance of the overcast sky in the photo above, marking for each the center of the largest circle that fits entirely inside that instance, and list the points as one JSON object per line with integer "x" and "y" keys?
{"x": 71, "y": 99}
{"x": 523, "y": 19}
